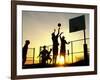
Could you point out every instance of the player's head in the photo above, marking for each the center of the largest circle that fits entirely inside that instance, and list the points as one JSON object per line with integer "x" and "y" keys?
{"x": 63, "y": 37}
{"x": 27, "y": 42}
{"x": 44, "y": 47}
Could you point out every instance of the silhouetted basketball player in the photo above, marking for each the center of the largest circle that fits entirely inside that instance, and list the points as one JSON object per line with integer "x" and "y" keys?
{"x": 63, "y": 47}
{"x": 24, "y": 51}
{"x": 43, "y": 54}
{"x": 55, "y": 45}
{"x": 48, "y": 56}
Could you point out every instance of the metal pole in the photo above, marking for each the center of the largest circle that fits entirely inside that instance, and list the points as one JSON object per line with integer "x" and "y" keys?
{"x": 68, "y": 54}
{"x": 39, "y": 53}
{"x": 72, "y": 51}
{"x": 84, "y": 37}
{"x": 85, "y": 49}
{"x": 33, "y": 54}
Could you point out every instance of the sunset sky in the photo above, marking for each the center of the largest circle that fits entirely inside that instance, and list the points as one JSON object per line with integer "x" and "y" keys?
{"x": 38, "y": 26}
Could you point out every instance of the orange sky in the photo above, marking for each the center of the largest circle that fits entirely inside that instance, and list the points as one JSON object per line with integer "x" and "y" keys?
{"x": 38, "y": 26}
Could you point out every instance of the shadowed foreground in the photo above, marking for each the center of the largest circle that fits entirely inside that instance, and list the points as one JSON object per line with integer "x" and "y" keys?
{"x": 79, "y": 63}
